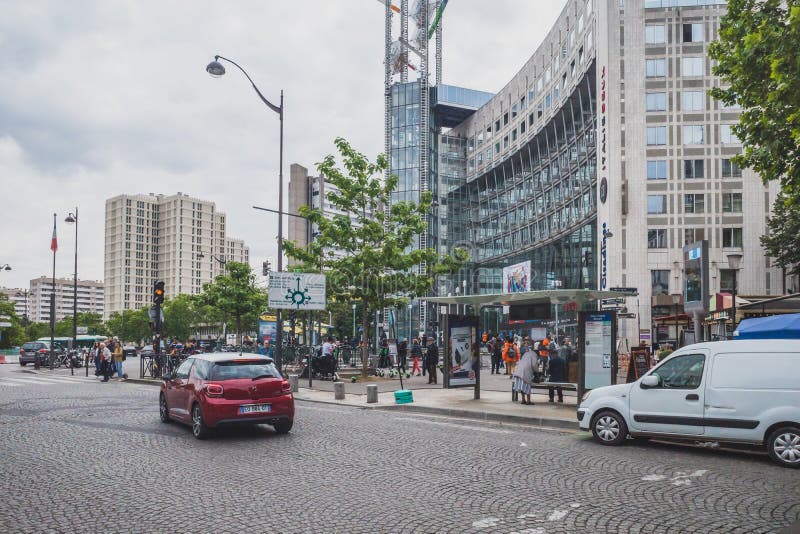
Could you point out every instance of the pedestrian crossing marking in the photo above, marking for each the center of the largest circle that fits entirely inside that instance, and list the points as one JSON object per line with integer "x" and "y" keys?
{"x": 48, "y": 381}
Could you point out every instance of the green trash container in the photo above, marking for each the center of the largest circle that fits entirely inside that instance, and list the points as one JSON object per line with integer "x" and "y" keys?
{"x": 403, "y": 396}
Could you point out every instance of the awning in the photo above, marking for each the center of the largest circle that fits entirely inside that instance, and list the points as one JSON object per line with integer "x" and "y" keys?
{"x": 775, "y": 327}
{"x": 672, "y": 318}
{"x": 553, "y": 296}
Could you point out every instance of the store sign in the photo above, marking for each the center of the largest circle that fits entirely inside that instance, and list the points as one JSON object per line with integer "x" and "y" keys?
{"x": 603, "y": 259}
{"x": 603, "y": 118}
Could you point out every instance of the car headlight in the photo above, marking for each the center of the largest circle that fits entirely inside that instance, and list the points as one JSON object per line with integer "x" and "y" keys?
{"x": 586, "y": 396}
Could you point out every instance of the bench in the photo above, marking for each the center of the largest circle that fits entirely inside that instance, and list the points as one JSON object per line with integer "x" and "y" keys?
{"x": 546, "y": 385}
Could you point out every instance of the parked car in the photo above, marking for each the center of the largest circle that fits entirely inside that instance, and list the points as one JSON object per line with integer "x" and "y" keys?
{"x": 745, "y": 392}
{"x": 129, "y": 351}
{"x": 208, "y": 391}
{"x": 33, "y": 349}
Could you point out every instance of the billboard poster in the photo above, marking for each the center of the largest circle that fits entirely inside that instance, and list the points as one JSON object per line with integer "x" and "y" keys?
{"x": 267, "y": 329}
{"x": 463, "y": 351}
{"x": 598, "y": 348}
{"x": 297, "y": 291}
{"x": 517, "y": 277}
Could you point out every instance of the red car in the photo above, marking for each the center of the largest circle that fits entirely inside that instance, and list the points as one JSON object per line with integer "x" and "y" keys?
{"x": 212, "y": 390}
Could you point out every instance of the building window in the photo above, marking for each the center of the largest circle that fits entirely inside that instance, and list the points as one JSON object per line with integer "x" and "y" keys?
{"x": 656, "y": 204}
{"x": 731, "y": 202}
{"x": 726, "y": 277}
{"x": 694, "y": 203}
{"x": 657, "y": 135}
{"x": 693, "y": 100}
{"x": 693, "y": 33}
{"x": 655, "y": 68}
{"x": 656, "y": 101}
{"x": 732, "y": 237}
{"x": 505, "y": 119}
{"x": 657, "y": 169}
{"x": 657, "y": 238}
{"x": 726, "y": 135}
{"x": 692, "y": 66}
{"x": 730, "y": 169}
{"x": 693, "y": 134}
{"x": 497, "y": 125}
{"x": 693, "y": 168}
{"x": 693, "y": 235}
{"x": 654, "y": 34}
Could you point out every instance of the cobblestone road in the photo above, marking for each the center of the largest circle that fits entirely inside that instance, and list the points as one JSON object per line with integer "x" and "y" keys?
{"x": 80, "y": 456}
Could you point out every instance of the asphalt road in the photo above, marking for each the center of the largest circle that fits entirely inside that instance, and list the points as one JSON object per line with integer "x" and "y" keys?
{"x": 81, "y": 456}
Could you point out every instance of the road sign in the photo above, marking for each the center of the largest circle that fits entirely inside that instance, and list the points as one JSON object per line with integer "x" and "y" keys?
{"x": 615, "y": 300}
{"x": 5, "y": 324}
{"x": 627, "y": 315}
{"x": 624, "y": 289}
{"x": 83, "y": 330}
{"x": 297, "y": 291}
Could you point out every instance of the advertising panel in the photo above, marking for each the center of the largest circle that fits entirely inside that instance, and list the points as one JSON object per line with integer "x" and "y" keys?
{"x": 695, "y": 275}
{"x": 517, "y": 277}
{"x": 463, "y": 355}
{"x": 267, "y": 328}
{"x": 598, "y": 334}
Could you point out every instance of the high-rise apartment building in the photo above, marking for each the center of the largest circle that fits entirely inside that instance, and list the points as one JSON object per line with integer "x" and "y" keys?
{"x": 178, "y": 239}
{"x": 20, "y": 299}
{"x": 603, "y": 157}
{"x": 90, "y": 298}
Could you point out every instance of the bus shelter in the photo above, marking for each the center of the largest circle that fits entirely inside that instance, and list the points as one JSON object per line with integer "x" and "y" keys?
{"x": 595, "y": 343}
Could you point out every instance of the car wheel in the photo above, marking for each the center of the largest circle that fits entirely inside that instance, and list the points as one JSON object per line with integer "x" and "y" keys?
{"x": 23, "y": 364}
{"x": 163, "y": 411}
{"x": 199, "y": 428}
{"x": 283, "y": 427}
{"x": 783, "y": 446}
{"x": 609, "y": 428}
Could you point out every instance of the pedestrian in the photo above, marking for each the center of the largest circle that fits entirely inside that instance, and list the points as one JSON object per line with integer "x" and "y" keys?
{"x": 402, "y": 353}
{"x": 96, "y": 358}
{"x": 523, "y": 376}
{"x": 510, "y": 356}
{"x": 544, "y": 355}
{"x": 119, "y": 357}
{"x": 432, "y": 360}
{"x": 416, "y": 354}
{"x": 558, "y": 374}
{"x": 105, "y": 362}
{"x": 496, "y": 353}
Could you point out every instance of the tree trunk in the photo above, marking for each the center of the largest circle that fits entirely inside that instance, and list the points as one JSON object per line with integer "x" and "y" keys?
{"x": 365, "y": 340}
{"x": 239, "y": 329}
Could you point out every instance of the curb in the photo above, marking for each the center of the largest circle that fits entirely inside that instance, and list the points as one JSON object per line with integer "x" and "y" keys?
{"x": 542, "y": 422}
{"x": 146, "y": 381}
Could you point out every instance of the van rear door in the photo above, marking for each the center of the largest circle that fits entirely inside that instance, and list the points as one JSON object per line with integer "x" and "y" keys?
{"x": 744, "y": 386}
{"x": 675, "y": 405}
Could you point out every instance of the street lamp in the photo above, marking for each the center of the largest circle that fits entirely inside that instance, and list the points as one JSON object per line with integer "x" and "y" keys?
{"x": 5, "y": 267}
{"x": 216, "y": 69}
{"x": 734, "y": 262}
{"x": 354, "y": 320}
{"x": 676, "y": 299}
{"x": 73, "y": 218}
{"x": 222, "y": 262}
{"x": 410, "y": 329}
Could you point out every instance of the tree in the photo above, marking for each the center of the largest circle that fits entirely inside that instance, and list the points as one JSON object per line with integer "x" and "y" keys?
{"x": 92, "y": 321}
{"x": 756, "y": 56}
{"x": 180, "y": 316}
{"x": 235, "y": 294}
{"x": 130, "y": 325}
{"x": 783, "y": 240}
{"x": 380, "y": 256}
{"x": 15, "y": 334}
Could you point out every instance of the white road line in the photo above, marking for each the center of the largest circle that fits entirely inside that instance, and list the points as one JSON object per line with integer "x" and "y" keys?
{"x": 9, "y": 384}
{"x": 32, "y": 381}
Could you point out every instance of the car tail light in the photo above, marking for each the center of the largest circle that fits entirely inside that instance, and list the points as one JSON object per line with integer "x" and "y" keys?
{"x": 22, "y": 352}
{"x": 214, "y": 390}
{"x": 286, "y": 387}
{"x": 43, "y": 351}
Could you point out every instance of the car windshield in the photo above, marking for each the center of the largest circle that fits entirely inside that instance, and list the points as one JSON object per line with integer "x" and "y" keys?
{"x": 32, "y": 346}
{"x": 244, "y": 369}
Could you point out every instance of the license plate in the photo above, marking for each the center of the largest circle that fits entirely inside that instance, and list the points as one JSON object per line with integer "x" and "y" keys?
{"x": 254, "y": 408}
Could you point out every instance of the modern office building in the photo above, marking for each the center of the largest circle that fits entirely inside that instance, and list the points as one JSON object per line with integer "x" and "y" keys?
{"x": 602, "y": 158}
{"x": 90, "y": 298}
{"x": 178, "y": 239}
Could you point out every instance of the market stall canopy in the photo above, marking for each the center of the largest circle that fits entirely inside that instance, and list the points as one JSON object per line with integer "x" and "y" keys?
{"x": 553, "y": 296}
{"x": 774, "y": 327}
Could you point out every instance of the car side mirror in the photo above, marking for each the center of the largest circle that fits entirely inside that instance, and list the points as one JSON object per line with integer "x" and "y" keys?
{"x": 651, "y": 381}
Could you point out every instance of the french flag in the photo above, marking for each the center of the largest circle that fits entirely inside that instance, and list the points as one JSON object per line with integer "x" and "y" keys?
{"x": 54, "y": 241}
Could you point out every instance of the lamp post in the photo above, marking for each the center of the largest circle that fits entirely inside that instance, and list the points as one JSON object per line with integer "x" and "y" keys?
{"x": 73, "y": 218}
{"x": 676, "y": 299}
{"x": 734, "y": 262}
{"x": 5, "y": 267}
{"x": 354, "y": 320}
{"x": 216, "y": 69}
{"x": 410, "y": 329}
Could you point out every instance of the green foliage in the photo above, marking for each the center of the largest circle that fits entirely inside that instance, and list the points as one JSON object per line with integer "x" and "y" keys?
{"x": 235, "y": 295}
{"x": 756, "y": 56}
{"x": 180, "y": 316}
{"x": 14, "y": 335}
{"x": 380, "y": 253}
{"x": 783, "y": 240}
{"x": 92, "y": 321}
{"x": 130, "y": 326}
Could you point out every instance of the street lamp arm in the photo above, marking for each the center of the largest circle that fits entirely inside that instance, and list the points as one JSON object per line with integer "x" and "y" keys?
{"x": 273, "y": 107}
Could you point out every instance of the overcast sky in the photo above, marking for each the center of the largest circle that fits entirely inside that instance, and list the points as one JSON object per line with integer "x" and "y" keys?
{"x": 100, "y": 98}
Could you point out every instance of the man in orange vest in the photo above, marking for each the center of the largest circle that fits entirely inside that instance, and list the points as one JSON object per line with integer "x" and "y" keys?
{"x": 510, "y": 356}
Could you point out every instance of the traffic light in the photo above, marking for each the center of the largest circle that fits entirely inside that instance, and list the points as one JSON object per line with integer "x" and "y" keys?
{"x": 158, "y": 292}
{"x": 265, "y": 268}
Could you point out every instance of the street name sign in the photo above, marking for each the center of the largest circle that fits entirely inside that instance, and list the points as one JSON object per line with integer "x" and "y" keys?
{"x": 297, "y": 291}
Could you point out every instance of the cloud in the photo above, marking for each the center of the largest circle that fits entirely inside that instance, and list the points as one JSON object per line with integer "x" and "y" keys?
{"x": 105, "y": 98}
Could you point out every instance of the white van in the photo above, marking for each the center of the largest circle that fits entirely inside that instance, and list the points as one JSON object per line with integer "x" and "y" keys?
{"x": 724, "y": 391}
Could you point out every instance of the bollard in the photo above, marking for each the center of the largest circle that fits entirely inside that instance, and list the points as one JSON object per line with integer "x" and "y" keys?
{"x": 372, "y": 393}
{"x": 338, "y": 390}
{"x": 293, "y": 383}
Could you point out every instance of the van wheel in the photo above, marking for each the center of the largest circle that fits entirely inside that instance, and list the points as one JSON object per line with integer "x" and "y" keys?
{"x": 609, "y": 428}
{"x": 783, "y": 446}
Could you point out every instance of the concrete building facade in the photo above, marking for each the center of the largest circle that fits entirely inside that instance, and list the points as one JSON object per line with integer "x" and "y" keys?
{"x": 178, "y": 239}
{"x": 20, "y": 299}
{"x": 91, "y": 298}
